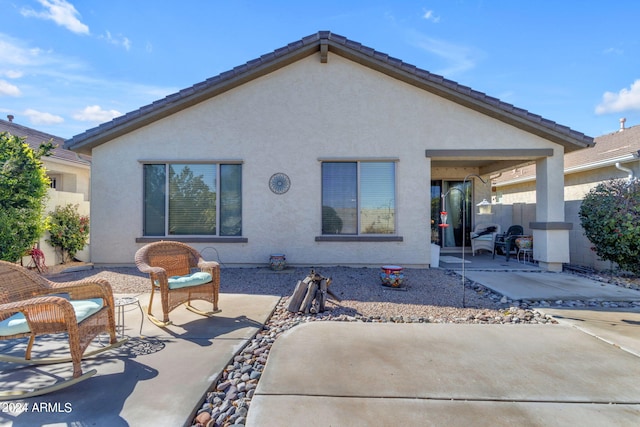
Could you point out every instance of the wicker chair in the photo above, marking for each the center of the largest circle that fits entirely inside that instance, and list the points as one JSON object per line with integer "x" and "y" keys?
{"x": 483, "y": 238}
{"x": 31, "y": 305}
{"x": 170, "y": 267}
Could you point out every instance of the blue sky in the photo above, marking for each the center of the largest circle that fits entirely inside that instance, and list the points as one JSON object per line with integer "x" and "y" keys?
{"x": 68, "y": 65}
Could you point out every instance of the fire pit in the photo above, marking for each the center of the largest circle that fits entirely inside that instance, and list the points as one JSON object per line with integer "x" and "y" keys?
{"x": 392, "y": 276}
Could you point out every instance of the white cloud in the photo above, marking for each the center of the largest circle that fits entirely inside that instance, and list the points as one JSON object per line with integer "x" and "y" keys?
{"x": 95, "y": 113}
{"x": 429, "y": 15}
{"x": 613, "y": 51}
{"x": 625, "y": 100}
{"x": 64, "y": 84}
{"x": 11, "y": 53}
{"x": 40, "y": 118}
{"x": 61, "y": 12}
{"x": 505, "y": 96}
{"x": 20, "y": 60}
{"x": 457, "y": 58}
{"x": 7, "y": 89}
{"x": 118, "y": 40}
{"x": 13, "y": 74}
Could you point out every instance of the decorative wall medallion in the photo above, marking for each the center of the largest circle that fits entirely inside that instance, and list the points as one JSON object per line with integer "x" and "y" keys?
{"x": 279, "y": 183}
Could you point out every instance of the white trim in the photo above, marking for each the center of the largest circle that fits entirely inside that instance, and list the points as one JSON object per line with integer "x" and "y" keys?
{"x": 358, "y": 159}
{"x": 197, "y": 161}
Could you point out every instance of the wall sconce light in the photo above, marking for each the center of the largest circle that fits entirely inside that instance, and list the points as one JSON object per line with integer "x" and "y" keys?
{"x": 484, "y": 207}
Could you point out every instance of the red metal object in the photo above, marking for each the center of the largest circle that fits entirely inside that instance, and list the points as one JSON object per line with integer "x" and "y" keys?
{"x": 443, "y": 219}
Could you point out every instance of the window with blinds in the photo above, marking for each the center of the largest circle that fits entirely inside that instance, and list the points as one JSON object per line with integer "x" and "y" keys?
{"x": 201, "y": 199}
{"x": 358, "y": 198}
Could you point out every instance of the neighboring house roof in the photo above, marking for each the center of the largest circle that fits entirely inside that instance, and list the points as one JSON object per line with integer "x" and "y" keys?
{"x": 613, "y": 147}
{"x": 34, "y": 138}
{"x": 620, "y": 146}
{"x": 324, "y": 42}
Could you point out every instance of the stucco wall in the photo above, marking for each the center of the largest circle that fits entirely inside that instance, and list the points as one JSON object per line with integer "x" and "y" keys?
{"x": 73, "y": 187}
{"x": 62, "y": 198}
{"x": 71, "y": 178}
{"x": 286, "y": 122}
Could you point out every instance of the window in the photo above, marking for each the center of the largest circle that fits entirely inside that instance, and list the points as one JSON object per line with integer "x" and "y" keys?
{"x": 358, "y": 198}
{"x": 198, "y": 199}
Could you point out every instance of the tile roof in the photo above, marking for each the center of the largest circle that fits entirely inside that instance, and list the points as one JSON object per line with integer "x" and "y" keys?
{"x": 609, "y": 149}
{"x": 611, "y": 146}
{"x": 325, "y": 41}
{"x": 35, "y": 137}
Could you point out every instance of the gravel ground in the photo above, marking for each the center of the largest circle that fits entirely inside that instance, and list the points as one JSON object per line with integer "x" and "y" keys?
{"x": 428, "y": 293}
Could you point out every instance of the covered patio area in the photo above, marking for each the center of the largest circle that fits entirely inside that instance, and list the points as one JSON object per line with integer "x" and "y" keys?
{"x": 484, "y": 261}
{"x": 544, "y": 221}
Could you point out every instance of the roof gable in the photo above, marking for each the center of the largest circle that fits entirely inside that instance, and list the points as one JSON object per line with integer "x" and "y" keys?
{"x": 325, "y": 42}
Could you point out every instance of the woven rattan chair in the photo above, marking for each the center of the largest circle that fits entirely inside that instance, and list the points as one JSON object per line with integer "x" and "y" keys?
{"x": 31, "y": 306}
{"x": 484, "y": 237}
{"x": 171, "y": 267}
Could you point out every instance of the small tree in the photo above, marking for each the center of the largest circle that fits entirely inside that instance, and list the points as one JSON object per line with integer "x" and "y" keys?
{"x": 610, "y": 216}
{"x": 23, "y": 192}
{"x": 68, "y": 231}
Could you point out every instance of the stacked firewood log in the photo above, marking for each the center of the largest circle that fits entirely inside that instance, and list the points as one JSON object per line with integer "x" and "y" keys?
{"x": 310, "y": 294}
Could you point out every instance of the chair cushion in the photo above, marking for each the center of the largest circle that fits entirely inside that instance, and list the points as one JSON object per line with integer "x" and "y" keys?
{"x": 485, "y": 237}
{"x": 194, "y": 279}
{"x": 17, "y": 324}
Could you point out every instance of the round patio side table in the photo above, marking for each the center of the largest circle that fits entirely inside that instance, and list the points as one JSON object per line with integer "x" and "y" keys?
{"x": 524, "y": 245}
{"x": 120, "y": 304}
{"x": 526, "y": 254}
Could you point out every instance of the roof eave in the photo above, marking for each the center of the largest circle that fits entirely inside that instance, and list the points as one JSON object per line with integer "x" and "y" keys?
{"x": 78, "y": 162}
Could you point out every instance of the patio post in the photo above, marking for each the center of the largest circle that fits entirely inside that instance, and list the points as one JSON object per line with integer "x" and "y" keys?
{"x": 550, "y": 231}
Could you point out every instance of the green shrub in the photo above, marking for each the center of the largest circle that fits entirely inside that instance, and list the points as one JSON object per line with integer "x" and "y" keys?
{"x": 23, "y": 192}
{"x": 610, "y": 216}
{"x": 68, "y": 230}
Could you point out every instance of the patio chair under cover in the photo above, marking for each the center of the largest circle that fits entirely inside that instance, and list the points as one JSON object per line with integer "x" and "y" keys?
{"x": 506, "y": 242}
{"x": 484, "y": 237}
{"x": 171, "y": 267}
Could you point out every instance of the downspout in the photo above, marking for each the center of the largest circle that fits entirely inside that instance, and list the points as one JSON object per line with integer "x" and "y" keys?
{"x": 627, "y": 170}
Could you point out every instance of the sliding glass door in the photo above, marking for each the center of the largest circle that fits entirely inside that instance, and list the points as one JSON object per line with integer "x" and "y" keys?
{"x": 456, "y": 194}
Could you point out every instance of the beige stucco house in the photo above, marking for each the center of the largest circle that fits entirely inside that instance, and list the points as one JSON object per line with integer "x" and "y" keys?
{"x": 615, "y": 156}
{"x": 70, "y": 175}
{"x": 324, "y": 150}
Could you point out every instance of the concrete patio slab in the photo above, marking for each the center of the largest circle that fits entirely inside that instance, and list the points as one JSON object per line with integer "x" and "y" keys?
{"x": 518, "y": 285}
{"x": 157, "y": 379}
{"x": 444, "y": 374}
{"x": 619, "y": 327}
{"x": 365, "y": 412}
{"x": 483, "y": 261}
